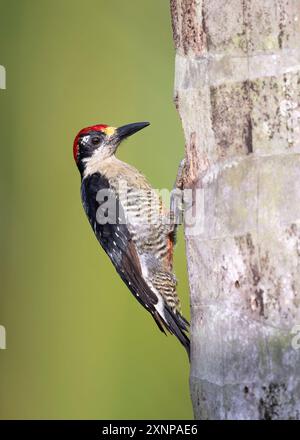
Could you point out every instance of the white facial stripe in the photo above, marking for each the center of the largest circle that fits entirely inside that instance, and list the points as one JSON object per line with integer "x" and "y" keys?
{"x": 85, "y": 140}
{"x": 94, "y": 162}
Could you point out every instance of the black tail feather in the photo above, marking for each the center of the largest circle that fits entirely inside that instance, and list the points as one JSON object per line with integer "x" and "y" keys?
{"x": 177, "y": 325}
{"x": 159, "y": 322}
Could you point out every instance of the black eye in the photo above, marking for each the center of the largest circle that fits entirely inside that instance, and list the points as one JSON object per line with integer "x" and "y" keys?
{"x": 95, "y": 140}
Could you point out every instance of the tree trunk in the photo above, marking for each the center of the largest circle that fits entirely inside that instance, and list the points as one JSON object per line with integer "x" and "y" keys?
{"x": 237, "y": 89}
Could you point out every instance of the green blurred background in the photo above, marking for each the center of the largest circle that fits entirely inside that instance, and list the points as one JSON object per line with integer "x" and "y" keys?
{"x": 78, "y": 344}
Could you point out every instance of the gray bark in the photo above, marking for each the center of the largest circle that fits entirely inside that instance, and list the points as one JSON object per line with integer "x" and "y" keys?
{"x": 237, "y": 89}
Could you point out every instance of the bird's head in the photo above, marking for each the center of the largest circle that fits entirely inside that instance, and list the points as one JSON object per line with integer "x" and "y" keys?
{"x": 101, "y": 141}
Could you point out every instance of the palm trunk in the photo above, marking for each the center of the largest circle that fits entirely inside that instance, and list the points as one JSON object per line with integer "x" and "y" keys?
{"x": 2, "y": 77}
{"x": 237, "y": 89}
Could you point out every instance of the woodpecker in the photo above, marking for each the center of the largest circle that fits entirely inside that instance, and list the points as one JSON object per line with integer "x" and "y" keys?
{"x": 138, "y": 237}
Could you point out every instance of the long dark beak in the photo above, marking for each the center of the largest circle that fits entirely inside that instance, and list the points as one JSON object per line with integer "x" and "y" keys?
{"x": 129, "y": 129}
